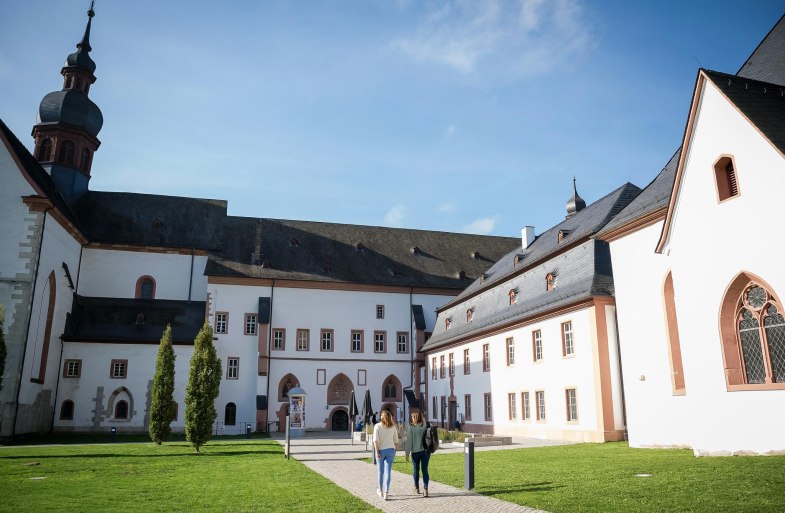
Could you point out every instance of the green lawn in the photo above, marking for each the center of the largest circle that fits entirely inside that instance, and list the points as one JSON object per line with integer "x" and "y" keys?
{"x": 233, "y": 476}
{"x": 593, "y": 478}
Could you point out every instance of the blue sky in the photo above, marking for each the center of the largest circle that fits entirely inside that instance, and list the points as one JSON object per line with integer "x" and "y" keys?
{"x": 453, "y": 115}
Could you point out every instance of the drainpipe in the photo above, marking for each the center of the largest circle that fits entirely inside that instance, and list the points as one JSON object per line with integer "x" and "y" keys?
{"x": 79, "y": 269}
{"x": 57, "y": 385}
{"x": 270, "y": 352}
{"x": 621, "y": 374}
{"x": 29, "y": 319}
{"x": 191, "y": 276}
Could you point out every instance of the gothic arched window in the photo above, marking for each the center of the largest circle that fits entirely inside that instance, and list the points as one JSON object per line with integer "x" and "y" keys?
{"x": 761, "y": 335}
{"x": 145, "y": 288}
{"x": 753, "y": 335}
{"x": 390, "y": 390}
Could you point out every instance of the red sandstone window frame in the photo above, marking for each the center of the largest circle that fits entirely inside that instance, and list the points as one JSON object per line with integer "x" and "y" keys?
{"x": 379, "y": 336}
{"x": 118, "y": 369}
{"x": 433, "y": 368}
{"x": 402, "y": 336}
{"x": 467, "y": 407}
{"x": 451, "y": 363}
{"x": 72, "y": 368}
{"x": 539, "y": 405}
{"x": 221, "y": 323}
{"x": 442, "y": 368}
{"x": 380, "y": 311}
{"x": 326, "y": 340}
{"x": 526, "y": 414}
{"x": 510, "y": 345}
{"x": 487, "y": 403}
{"x": 282, "y": 338}
{"x": 567, "y": 335}
{"x": 726, "y": 178}
{"x": 250, "y": 323}
{"x": 235, "y": 367}
{"x": 467, "y": 362}
{"x": 361, "y": 339}
{"x": 537, "y": 350}
{"x": 486, "y": 357}
{"x": 303, "y": 341}
{"x": 572, "y": 417}
{"x": 512, "y": 406}
{"x": 140, "y": 284}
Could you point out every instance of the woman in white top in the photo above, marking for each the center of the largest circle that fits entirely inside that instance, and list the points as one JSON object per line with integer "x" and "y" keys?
{"x": 385, "y": 438}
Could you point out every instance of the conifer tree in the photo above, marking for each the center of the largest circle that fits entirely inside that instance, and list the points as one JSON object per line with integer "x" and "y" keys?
{"x": 3, "y": 351}
{"x": 162, "y": 405}
{"x": 204, "y": 379}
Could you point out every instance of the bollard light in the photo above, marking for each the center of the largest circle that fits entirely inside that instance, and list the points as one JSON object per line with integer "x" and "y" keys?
{"x": 468, "y": 464}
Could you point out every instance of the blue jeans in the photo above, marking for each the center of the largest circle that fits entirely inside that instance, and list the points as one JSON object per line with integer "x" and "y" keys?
{"x": 420, "y": 459}
{"x": 384, "y": 463}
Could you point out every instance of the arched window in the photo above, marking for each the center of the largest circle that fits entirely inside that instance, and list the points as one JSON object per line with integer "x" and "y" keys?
{"x": 287, "y": 383}
{"x": 69, "y": 82}
{"x": 85, "y": 162}
{"x": 67, "y": 410}
{"x": 145, "y": 288}
{"x": 339, "y": 390}
{"x": 391, "y": 389}
{"x": 45, "y": 150}
{"x": 725, "y": 176}
{"x": 753, "y": 334}
{"x": 230, "y": 414}
{"x": 121, "y": 410}
{"x": 66, "y": 155}
{"x": 674, "y": 343}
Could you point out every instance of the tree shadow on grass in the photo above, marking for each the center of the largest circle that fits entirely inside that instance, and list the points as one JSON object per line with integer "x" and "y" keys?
{"x": 205, "y": 454}
{"x": 545, "y": 486}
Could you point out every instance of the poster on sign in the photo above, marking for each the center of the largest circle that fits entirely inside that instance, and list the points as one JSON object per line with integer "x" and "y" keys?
{"x": 297, "y": 412}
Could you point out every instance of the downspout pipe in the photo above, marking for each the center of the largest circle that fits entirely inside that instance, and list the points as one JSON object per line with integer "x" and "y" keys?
{"x": 191, "y": 276}
{"x": 27, "y": 328}
{"x": 269, "y": 351}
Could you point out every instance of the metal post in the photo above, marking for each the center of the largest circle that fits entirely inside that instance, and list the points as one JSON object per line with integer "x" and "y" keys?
{"x": 468, "y": 464}
{"x": 113, "y": 435}
{"x": 351, "y": 429}
{"x": 248, "y": 430}
{"x": 287, "y": 447}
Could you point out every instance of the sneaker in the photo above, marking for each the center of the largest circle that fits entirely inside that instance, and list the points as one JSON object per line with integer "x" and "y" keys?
{"x": 387, "y": 496}
{"x": 416, "y": 491}
{"x": 378, "y": 492}
{"x": 425, "y": 492}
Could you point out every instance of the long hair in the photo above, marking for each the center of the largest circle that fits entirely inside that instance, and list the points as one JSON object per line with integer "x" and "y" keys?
{"x": 387, "y": 420}
{"x": 416, "y": 418}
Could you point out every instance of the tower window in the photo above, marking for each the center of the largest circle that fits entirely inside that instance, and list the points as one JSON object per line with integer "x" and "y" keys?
{"x": 45, "y": 150}
{"x": 725, "y": 176}
{"x": 85, "y": 162}
{"x": 66, "y": 155}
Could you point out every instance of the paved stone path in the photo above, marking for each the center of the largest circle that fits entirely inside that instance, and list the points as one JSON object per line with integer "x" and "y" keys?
{"x": 338, "y": 460}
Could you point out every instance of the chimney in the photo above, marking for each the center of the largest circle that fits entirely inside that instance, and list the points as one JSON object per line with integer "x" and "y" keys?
{"x": 527, "y": 236}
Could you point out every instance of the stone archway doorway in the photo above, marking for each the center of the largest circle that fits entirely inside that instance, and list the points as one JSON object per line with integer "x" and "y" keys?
{"x": 340, "y": 421}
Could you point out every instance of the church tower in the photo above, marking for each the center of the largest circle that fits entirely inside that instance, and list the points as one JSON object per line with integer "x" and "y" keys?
{"x": 68, "y": 123}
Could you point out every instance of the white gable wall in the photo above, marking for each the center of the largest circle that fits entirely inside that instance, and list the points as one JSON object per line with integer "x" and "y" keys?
{"x": 710, "y": 243}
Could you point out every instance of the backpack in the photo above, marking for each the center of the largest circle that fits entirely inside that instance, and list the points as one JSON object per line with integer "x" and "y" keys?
{"x": 430, "y": 438}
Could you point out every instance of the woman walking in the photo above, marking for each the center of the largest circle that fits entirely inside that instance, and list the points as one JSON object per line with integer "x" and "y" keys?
{"x": 385, "y": 438}
{"x": 415, "y": 435}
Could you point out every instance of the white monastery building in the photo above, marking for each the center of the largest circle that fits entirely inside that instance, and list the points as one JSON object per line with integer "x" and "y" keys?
{"x": 652, "y": 315}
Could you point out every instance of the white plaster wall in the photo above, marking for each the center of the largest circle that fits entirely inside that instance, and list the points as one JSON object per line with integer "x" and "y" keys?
{"x": 553, "y": 375}
{"x": 316, "y": 309}
{"x": 655, "y": 416}
{"x": 710, "y": 243}
{"x": 58, "y": 247}
{"x": 111, "y": 273}
{"x": 96, "y": 362}
{"x": 14, "y": 222}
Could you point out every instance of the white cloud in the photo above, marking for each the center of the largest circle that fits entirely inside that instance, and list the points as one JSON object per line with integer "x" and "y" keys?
{"x": 520, "y": 38}
{"x": 451, "y": 131}
{"x": 448, "y": 208}
{"x": 482, "y": 226}
{"x": 394, "y": 216}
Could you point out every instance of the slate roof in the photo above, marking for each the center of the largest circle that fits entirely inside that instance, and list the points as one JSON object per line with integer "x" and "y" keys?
{"x": 766, "y": 63}
{"x": 585, "y": 223}
{"x": 39, "y": 175}
{"x": 329, "y": 252}
{"x": 584, "y": 272}
{"x": 100, "y": 319}
{"x": 762, "y": 103}
{"x": 152, "y": 220}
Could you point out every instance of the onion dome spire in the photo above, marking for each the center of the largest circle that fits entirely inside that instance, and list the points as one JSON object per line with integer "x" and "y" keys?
{"x": 575, "y": 203}
{"x": 81, "y": 58}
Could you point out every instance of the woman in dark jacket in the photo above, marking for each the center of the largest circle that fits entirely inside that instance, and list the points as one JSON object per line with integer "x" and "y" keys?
{"x": 415, "y": 434}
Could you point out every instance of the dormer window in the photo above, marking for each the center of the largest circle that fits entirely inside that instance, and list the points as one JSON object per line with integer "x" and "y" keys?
{"x": 294, "y": 243}
{"x": 461, "y": 275}
{"x": 563, "y": 234}
{"x": 725, "y": 177}
{"x": 518, "y": 259}
{"x": 470, "y": 315}
{"x": 550, "y": 281}
{"x": 415, "y": 251}
{"x": 513, "y": 296}
{"x": 447, "y": 323}
{"x": 359, "y": 247}
{"x": 476, "y": 254}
